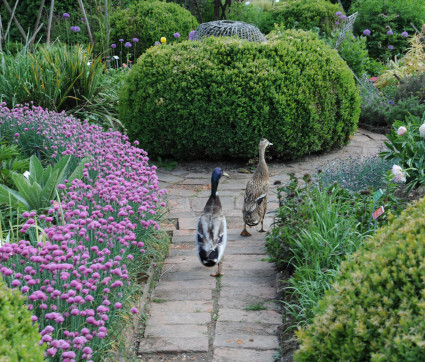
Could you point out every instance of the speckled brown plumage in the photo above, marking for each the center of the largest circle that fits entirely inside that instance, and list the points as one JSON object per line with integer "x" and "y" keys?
{"x": 256, "y": 192}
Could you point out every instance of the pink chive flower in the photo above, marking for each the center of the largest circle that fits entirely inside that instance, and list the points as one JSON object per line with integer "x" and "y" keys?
{"x": 401, "y": 131}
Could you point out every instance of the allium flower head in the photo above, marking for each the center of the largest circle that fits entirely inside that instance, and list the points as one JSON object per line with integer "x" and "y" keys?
{"x": 390, "y": 32}
{"x": 366, "y": 32}
{"x": 422, "y": 131}
{"x": 66, "y": 15}
{"x": 338, "y": 13}
{"x": 404, "y": 34}
{"x": 401, "y": 131}
{"x": 135, "y": 40}
{"x": 127, "y": 45}
{"x": 176, "y": 35}
{"x": 390, "y": 47}
{"x": 343, "y": 17}
{"x": 113, "y": 46}
{"x": 157, "y": 43}
{"x": 121, "y": 40}
{"x": 193, "y": 35}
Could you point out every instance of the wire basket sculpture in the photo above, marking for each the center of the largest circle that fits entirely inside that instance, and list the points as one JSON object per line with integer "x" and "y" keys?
{"x": 230, "y": 28}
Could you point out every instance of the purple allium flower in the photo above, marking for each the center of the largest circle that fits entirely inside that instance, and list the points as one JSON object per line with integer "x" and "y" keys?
{"x": 343, "y": 17}
{"x": 135, "y": 40}
{"x": 17, "y": 134}
{"x": 390, "y": 32}
{"x": 134, "y": 310}
{"x": 366, "y": 32}
{"x": 66, "y": 15}
{"x": 127, "y": 45}
{"x": 338, "y": 13}
{"x": 121, "y": 40}
{"x": 390, "y": 47}
{"x": 157, "y": 43}
{"x": 82, "y": 19}
{"x": 336, "y": 22}
{"x": 113, "y": 46}
{"x": 176, "y": 35}
{"x": 404, "y": 34}
{"x": 193, "y": 35}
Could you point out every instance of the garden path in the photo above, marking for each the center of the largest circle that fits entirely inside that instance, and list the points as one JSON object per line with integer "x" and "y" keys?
{"x": 194, "y": 317}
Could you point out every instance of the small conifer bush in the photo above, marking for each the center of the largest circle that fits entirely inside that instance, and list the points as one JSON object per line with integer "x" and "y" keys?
{"x": 216, "y": 98}
{"x": 375, "y": 309}
{"x": 18, "y": 336}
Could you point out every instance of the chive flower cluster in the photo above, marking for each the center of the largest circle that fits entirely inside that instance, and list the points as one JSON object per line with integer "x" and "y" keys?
{"x": 76, "y": 275}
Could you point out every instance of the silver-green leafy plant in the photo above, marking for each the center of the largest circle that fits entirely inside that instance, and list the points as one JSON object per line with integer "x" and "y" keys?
{"x": 36, "y": 191}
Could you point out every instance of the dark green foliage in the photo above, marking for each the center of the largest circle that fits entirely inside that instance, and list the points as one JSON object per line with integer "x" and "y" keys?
{"x": 379, "y": 16}
{"x": 380, "y": 110}
{"x": 217, "y": 98}
{"x": 149, "y": 21}
{"x": 345, "y": 3}
{"x": 316, "y": 227}
{"x": 251, "y": 14}
{"x": 303, "y": 14}
{"x": 374, "y": 312}
{"x": 18, "y": 336}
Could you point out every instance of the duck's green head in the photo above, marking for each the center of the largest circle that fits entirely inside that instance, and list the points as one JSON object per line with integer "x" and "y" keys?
{"x": 215, "y": 177}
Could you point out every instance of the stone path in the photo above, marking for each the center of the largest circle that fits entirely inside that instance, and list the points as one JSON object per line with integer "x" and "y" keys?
{"x": 195, "y": 317}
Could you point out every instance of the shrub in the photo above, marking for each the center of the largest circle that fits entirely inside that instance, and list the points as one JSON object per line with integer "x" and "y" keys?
{"x": 382, "y": 16}
{"x": 251, "y": 14}
{"x": 18, "y": 335}
{"x": 218, "y": 97}
{"x": 374, "y": 312}
{"x": 149, "y": 21}
{"x": 303, "y": 14}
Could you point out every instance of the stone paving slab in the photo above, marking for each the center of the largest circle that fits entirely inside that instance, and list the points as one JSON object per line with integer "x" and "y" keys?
{"x": 173, "y": 344}
{"x": 252, "y": 316}
{"x": 222, "y": 354}
{"x": 229, "y": 340}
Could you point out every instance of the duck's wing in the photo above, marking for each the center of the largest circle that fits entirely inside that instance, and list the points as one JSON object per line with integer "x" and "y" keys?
{"x": 255, "y": 195}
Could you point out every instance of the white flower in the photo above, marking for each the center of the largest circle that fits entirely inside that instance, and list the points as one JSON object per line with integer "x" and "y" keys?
{"x": 399, "y": 175}
{"x": 26, "y": 174}
{"x": 422, "y": 131}
{"x": 401, "y": 131}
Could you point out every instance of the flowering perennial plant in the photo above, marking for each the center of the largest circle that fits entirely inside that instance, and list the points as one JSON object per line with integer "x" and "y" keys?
{"x": 77, "y": 277}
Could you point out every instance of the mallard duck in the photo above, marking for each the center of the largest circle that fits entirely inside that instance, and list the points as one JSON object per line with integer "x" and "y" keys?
{"x": 211, "y": 230}
{"x": 255, "y": 199}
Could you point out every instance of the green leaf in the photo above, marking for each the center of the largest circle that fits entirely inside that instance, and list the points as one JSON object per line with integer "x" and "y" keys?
{"x": 36, "y": 169}
{"x": 49, "y": 191}
{"x": 78, "y": 172}
{"x": 12, "y": 198}
{"x": 30, "y": 192}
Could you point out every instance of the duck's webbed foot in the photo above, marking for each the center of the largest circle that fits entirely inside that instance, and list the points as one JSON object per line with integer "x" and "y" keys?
{"x": 245, "y": 232}
{"x": 262, "y": 228}
{"x": 218, "y": 274}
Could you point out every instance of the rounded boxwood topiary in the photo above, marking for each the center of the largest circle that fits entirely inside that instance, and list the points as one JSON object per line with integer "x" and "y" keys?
{"x": 217, "y": 98}
{"x": 375, "y": 309}
{"x": 149, "y": 21}
{"x": 18, "y": 336}
{"x": 303, "y": 14}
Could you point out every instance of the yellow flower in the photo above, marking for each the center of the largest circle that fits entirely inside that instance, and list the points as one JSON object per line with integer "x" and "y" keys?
{"x": 163, "y": 40}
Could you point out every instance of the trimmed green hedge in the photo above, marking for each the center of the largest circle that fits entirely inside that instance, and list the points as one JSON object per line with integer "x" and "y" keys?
{"x": 149, "y": 21}
{"x": 18, "y": 336}
{"x": 375, "y": 310}
{"x": 303, "y": 14}
{"x": 217, "y": 98}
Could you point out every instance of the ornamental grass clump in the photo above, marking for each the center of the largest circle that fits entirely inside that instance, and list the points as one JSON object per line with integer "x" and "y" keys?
{"x": 79, "y": 273}
{"x": 374, "y": 310}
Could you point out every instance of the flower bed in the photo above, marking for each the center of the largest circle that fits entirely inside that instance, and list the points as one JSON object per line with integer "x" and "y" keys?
{"x": 77, "y": 274}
